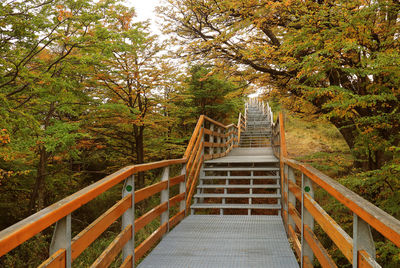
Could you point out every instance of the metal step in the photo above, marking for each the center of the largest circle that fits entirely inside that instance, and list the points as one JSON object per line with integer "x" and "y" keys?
{"x": 239, "y": 177}
{"x": 241, "y": 169}
{"x": 237, "y": 196}
{"x": 237, "y": 206}
{"x": 239, "y": 186}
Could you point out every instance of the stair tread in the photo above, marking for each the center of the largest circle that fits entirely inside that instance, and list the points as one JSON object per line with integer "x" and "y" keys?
{"x": 241, "y": 169}
{"x": 244, "y": 206}
{"x": 239, "y": 177}
{"x": 237, "y": 195}
{"x": 243, "y": 186}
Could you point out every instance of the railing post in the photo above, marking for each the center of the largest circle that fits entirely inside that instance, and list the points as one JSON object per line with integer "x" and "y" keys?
{"x": 306, "y": 218}
{"x": 165, "y": 198}
{"x": 290, "y": 196}
{"x": 128, "y": 218}
{"x": 245, "y": 114}
{"x": 284, "y": 193}
{"x": 211, "y": 149}
{"x": 219, "y": 149}
{"x": 362, "y": 239}
{"x": 182, "y": 189}
{"x": 62, "y": 239}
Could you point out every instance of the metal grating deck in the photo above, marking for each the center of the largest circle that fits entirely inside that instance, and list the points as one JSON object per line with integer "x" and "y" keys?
{"x": 224, "y": 241}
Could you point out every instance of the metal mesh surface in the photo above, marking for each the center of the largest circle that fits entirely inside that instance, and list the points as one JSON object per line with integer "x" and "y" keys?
{"x": 224, "y": 241}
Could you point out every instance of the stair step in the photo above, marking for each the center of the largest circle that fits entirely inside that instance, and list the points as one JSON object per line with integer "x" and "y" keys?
{"x": 239, "y": 186}
{"x": 241, "y": 169}
{"x": 240, "y": 177}
{"x": 237, "y": 195}
{"x": 237, "y": 206}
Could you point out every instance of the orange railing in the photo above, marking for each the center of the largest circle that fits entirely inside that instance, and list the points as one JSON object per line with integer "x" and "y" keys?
{"x": 210, "y": 139}
{"x": 298, "y": 181}
{"x": 207, "y": 136}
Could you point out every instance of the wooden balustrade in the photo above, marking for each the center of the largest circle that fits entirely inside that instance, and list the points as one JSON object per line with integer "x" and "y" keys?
{"x": 65, "y": 249}
{"x": 298, "y": 192}
{"x": 219, "y": 139}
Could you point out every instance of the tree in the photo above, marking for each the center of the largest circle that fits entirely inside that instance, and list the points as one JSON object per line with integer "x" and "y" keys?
{"x": 339, "y": 56}
{"x": 212, "y": 95}
{"x": 42, "y": 85}
{"x": 129, "y": 70}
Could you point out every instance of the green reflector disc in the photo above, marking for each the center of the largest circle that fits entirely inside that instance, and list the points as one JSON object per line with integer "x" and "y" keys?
{"x": 307, "y": 189}
{"x": 129, "y": 188}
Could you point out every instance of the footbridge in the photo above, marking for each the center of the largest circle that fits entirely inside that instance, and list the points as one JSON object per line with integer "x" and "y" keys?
{"x": 234, "y": 199}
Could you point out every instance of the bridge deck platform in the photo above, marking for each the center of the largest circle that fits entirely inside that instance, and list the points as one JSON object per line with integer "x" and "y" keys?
{"x": 247, "y": 155}
{"x": 224, "y": 241}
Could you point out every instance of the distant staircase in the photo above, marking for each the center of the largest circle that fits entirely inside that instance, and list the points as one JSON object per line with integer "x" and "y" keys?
{"x": 247, "y": 180}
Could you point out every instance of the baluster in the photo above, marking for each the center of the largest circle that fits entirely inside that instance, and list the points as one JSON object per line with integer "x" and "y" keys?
{"x": 128, "y": 218}
{"x": 219, "y": 140}
{"x": 165, "y": 198}
{"x": 211, "y": 150}
{"x": 362, "y": 239}
{"x": 306, "y": 218}
{"x": 290, "y": 196}
{"x": 182, "y": 189}
{"x": 62, "y": 239}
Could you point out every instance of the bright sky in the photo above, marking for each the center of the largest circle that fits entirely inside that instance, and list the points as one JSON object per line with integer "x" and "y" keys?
{"x": 145, "y": 10}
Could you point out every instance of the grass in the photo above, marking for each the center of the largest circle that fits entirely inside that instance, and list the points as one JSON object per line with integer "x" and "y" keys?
{"x": 319, "y": 144}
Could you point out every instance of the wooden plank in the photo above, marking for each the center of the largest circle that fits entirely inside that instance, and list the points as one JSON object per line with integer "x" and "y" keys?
{"x": 342, "y": 240}
{"x": 176, "y": 199}
{"x": 215, "y": 122}
{"x": 127, "y": 262}
{"x": 86, "y": 237}
{"x": 109, "y": 254}
{"x": 18, "y": 233}
{"x": 57, "y": 260}
{"x": 193, "y": 185}
{"x": 194, "y": 135}
{"x": 193, "y": 155}
{"x": 294, "y": 214}
{"x": 213, "y": 133}
{"x": 295, "y": 240}
{"x": 150, "y": 241}
{"x": 197, "y": 163}
{"x": 213, "y": 144}
{"x": 150, "y": 191}
{"x": 25, "y": 229}
{"x": 381, "y": 221}
{"x": 365, "y": 260}
{"x": 157, "y": 211}
{"x": 282, "y": 135}
{"x": 209, "y": 156}
{"x": 176, "y": 218}
{"x": 157, "y": 187}
{"x": 158, "y": 164}
{"x": 208, "y": 132}
{"x": 175, "y": 180}
{"x": 318, "y": 249}
{"x": 307, "y": 263}
{"x": 150, "y": 216}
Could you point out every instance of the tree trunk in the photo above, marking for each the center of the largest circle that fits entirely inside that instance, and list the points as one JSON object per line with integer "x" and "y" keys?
{"x": 368, "y": 160}
{"x": 37, "y": 197}
{"x": 139, "y": 148}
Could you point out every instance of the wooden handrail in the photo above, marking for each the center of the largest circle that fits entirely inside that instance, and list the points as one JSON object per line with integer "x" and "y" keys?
{"x": 18, "y": 233}
{"x": 215, "y": 122}
{"x": 381, "y": 221}
{"x": 194, "y": 136}
{"x": 373, "y": 216}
